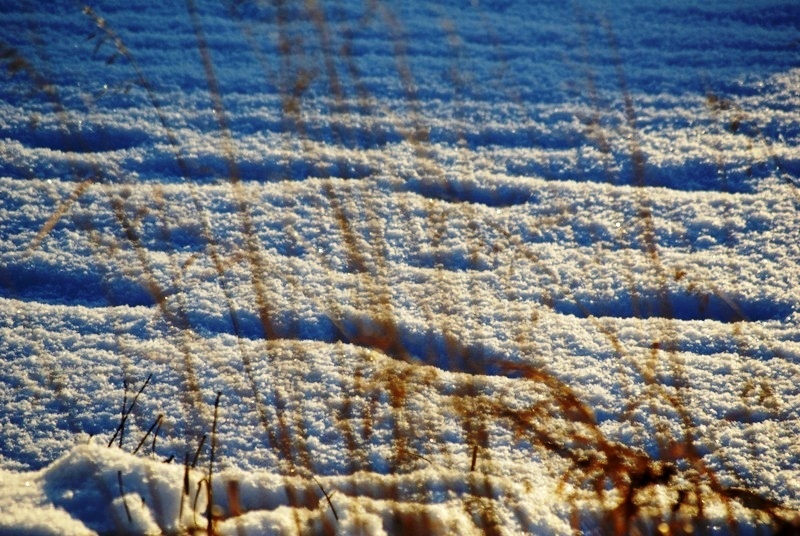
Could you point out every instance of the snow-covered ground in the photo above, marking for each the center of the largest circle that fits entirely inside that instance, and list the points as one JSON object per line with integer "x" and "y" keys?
{"x": 424, "y": 267}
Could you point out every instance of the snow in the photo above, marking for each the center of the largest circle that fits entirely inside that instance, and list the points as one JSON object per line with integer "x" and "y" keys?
{"x": 447, "y": 268}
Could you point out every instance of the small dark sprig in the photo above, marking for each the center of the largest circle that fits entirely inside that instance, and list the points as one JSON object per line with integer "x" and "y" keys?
{"x": 127, "y": 411}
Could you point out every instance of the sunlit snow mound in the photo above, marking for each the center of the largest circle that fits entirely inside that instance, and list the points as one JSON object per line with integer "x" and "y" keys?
{"x": 93, "y": 489}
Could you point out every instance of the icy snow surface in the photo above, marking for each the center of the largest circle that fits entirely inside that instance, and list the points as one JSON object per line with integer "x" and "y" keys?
{"x": 415, "y": 267}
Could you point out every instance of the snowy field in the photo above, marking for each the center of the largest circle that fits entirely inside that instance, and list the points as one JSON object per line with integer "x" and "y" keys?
{"x": 371, "y": 267}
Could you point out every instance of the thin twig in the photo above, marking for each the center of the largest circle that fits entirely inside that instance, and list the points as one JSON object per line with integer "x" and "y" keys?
{"x": 126, "y": 413}
{"x": 122, "y": 494}
{"x": 197, "y": 452}
{"x": 157, "y": 422}
{"x": 210, "y": 504}
{"x": 327, "y": 497}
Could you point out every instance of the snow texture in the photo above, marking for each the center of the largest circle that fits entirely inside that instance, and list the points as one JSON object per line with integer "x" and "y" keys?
{"x": 365, "y": 267}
